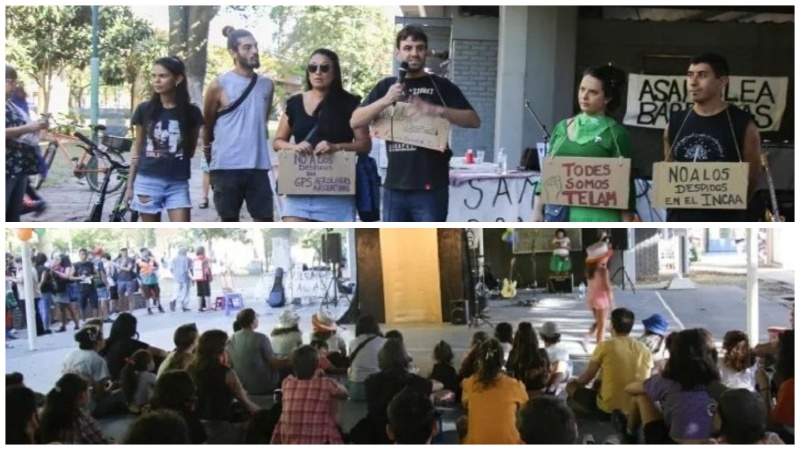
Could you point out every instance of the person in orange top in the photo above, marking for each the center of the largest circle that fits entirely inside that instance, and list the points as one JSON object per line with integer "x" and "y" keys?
{"x": 781, "y": 416}
{"x": 492, "y": 399}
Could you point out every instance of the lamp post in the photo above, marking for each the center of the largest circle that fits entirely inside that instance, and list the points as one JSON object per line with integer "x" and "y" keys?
{"x": 95, "y": 68}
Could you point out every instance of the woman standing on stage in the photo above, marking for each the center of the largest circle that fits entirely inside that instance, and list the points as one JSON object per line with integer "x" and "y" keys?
{"x": 319, "y": 121}
{"x": 592, "y": 133}
{"x": 599, "y": 293}
{"x": 560, "y": 264}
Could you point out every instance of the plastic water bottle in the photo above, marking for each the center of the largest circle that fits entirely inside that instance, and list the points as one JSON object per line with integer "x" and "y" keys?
{"x": 502, "y": 160}
{"x": 582, "y": 291}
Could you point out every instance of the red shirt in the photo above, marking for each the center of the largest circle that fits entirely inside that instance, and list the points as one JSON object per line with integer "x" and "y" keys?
{"x": 784, "y": 408}
{"x": 306, "y": 416}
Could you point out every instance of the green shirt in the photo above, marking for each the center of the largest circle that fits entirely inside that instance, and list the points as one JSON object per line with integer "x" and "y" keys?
{"x": 562, "y": 145}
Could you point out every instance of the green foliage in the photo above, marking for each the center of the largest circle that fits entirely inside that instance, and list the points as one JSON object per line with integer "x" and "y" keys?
{"x": 360, "y": 35}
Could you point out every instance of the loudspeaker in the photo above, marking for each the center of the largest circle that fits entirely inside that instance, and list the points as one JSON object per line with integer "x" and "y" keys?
{"x": 458, "y": 315}
{"x": 560, "y": 285}
{"x": 619, "y": 238}
{"x": 332, "y": 248}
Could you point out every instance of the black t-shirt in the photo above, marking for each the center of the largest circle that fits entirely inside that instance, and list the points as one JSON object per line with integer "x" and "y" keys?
{"x": 126, "y": 275}
{"x": 165, "y": 158}
{"x": 381, "y": 389}
{"x": 116, "y": 352}
{"x": 446, "y": 374}
{"x": 47, "y": 286}
{"x": 413, "y": 168}
{"x": 708, "y": 139}
{"x": 332, "y": 129}
{"x": 85, "y": 270}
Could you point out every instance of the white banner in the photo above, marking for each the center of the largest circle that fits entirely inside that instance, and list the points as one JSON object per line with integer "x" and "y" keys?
{"x": 652, "y": 98}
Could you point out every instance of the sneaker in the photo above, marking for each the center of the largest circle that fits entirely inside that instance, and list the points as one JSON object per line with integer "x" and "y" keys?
{"x": 187, "y": 310}
{"x": 172, "y": 306}
{"x": 61, "y": 330}
{"x": 39, "y": 208}
{"x": 612, "y": 440}
{"x": 160, "y": 309}
{"x": 620, "y": 422}
{"x": 588, "y": 439}
{"x": 149, "y": 311}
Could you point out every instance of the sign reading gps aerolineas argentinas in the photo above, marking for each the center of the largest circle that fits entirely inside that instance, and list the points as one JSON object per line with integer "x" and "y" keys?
{"x": 593, "y": 182}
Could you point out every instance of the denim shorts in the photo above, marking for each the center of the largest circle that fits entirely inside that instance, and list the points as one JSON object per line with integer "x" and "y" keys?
{"x": 320, "y": 208}
{"x": 164, "y": 194}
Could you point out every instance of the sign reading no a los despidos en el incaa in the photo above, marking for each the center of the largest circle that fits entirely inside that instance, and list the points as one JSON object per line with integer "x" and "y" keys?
{"x": 652, "y": 98}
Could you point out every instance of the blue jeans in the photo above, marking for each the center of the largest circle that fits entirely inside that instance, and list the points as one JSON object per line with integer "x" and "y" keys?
{"x": 415, "y": 206}
{"x": 356, "y": 391}
{"x": 44, "y": 309}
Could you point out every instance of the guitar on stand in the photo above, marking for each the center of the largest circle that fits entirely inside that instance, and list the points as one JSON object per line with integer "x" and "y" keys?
{"x": 774, "y": 214}
{"x": 509, "y": 289}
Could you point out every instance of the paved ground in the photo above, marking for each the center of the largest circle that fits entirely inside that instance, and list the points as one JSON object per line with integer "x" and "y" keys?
{"x": 71, "y": 199}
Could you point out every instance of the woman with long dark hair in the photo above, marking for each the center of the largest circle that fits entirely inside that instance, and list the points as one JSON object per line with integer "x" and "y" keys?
{"x": 319, "y": 121}
{"x": 683, "y": 391}
{"x": 528, "y": 362}
{"x": 217, "y": 384}
{"x": 123, "y": 341}
{"x": 65, "y": 419}
{"x": 599, "y": 293}
{"x": 167, "y": 129}
{"x": 175, "y": 390}
{"x": 22, "y": 420}
{"x": 592, "y": 133}
{"x": 492, "y": 399}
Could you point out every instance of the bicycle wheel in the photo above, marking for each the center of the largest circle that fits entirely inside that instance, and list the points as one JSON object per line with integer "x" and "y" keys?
{"x": 121, "y": 214}
{"x": 95, "y": 174}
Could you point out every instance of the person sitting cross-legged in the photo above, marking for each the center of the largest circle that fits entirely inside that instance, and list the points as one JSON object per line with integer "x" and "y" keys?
{"x": 308, "y": 399}
{"x": 412, "y": 418}
{"x": 620, "y": 361}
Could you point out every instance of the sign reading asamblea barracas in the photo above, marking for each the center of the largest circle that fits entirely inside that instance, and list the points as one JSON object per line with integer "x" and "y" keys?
{"x": 652, "y": 98}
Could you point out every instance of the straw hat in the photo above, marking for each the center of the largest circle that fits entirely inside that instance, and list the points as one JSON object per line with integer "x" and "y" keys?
{"x": 597, "y": 252}
{"x": 322, "y": 322}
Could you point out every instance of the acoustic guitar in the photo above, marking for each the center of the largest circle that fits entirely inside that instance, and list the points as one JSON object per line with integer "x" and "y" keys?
{"x": 771, "y": 215}
{"x": 509, "y": 289}
{"x": 277, "y": 297}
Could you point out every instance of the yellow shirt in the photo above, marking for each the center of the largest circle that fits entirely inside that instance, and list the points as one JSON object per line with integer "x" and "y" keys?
{"x": 492, "y": 412}
{"x": 622, "y": 361}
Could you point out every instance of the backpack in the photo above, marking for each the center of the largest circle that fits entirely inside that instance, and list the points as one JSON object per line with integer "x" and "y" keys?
{"x": 368, "y": 189}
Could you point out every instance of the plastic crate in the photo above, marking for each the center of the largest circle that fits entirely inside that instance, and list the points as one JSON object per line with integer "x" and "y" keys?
{"x": 117, "y": 144}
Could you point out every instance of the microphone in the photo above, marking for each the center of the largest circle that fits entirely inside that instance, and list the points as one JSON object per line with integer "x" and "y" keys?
{"x": 401, "y": 75}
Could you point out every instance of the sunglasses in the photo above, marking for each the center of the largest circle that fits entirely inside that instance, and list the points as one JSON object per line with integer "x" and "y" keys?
{"x": 323, "y": 68}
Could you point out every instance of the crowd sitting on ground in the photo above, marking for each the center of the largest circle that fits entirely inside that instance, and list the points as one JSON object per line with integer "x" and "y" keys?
{"x": 98, "y": 286}
{"x": 213, "y": 387}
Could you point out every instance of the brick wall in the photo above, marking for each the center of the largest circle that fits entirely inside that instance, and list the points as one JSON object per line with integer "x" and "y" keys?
{"x": 474, "y": 70}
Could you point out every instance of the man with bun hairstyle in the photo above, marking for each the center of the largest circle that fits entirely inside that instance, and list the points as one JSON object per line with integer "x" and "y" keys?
{"x": 236, "y": 109}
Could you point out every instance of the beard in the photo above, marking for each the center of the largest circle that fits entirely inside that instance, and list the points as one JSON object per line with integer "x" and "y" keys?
{"x": 253, "y": 63}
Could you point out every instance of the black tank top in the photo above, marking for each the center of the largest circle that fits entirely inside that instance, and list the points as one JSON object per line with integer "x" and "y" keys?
{"x": 708, "y": 139}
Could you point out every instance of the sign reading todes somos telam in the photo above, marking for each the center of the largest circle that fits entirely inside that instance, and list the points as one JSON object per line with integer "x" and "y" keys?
{"x": 652, "y": 98}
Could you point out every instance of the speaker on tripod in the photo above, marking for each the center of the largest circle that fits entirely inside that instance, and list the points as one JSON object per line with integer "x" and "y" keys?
{"x": 332, "y": 248}
{"x": 619, "y": 239}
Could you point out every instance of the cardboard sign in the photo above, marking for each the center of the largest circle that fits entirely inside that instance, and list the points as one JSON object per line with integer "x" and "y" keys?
{"x": 707, "y": 185}
{"x": 310, "y": 174}
{"x": 652, "y": 98}
{"x": 592, "y": 182}
{"x": 399, "y": 124}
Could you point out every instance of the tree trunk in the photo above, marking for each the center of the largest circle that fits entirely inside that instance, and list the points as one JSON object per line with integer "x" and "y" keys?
{"x": 281, "y": 248}
{"x": 188, "y": 37}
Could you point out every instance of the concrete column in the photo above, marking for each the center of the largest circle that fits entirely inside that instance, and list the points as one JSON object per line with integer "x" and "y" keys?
{"x": 511, "y": 64}
{"x": 550, "y": 76}
{"x": 752, "y": 284}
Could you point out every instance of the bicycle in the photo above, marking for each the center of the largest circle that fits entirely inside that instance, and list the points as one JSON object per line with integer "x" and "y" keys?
{"x": 120, "y": 212}
{"x": 86, "y": 166}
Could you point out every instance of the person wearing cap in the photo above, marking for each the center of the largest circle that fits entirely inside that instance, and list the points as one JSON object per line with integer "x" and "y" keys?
{"x": 253, "y": 358}
{"x": 101, "y": 283}
{"x": 286, "y": 337}
{"x": 655, "y": 333}
{"x": 599, "y": 293}
{"x": 561, "y": 365}
{"x": 740, "y": 418}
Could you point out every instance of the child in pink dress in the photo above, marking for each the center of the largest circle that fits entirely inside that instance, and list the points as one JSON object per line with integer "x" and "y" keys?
{"x": 599, "y": 293}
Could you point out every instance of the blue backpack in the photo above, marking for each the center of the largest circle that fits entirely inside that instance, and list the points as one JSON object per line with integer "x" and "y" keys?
{"x": 368, "y": 189}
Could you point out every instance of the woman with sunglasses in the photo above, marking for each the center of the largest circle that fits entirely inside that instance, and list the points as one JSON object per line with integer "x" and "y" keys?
{"x": 319, "y": 121}
{"x": 167, "y": 129}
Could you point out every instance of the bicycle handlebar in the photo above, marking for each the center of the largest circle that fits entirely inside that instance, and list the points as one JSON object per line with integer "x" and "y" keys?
{"x": 95, "y": 150}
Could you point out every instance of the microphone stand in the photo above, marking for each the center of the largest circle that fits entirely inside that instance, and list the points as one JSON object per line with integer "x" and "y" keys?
{"x": 545, "y": 134}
